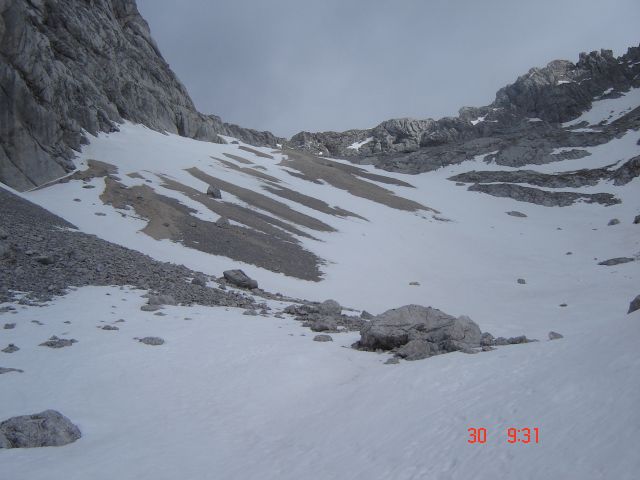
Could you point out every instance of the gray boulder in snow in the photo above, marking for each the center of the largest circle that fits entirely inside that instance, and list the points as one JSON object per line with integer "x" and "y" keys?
{"x": 330, "y": 308}
{"x": 636, "y": 220}
{"x": 214, "y": 192}
{"x": 10, "y": 348}
{"x": 522, "y": 281}
{"x": 634, "y": 305}
{"x": 46, "y": 429}
{"x": 555, "y": 336}
{"x": 415, "y": 332}
{"x": 616, "y": 261}
{"x": 613, "y": 221}
{"x": 515, "y": 213}
{"x": 154, "y": 341}
{"x": 239, "y": 279}
{"x": 324, "y": 324}
{"x": 55, "y": 342}
{"x": 200, "y": 280}
{"x": 322, "y": 338}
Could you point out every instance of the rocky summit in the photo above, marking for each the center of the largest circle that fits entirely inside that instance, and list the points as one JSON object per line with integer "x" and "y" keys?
{"x": 536, "y": 103}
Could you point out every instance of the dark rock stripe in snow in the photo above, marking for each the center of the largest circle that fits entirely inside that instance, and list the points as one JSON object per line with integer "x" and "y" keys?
{"x": 542, "y": 197}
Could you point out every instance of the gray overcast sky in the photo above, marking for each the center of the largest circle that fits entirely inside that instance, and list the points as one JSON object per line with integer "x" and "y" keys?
{"x": 291, "y": 65}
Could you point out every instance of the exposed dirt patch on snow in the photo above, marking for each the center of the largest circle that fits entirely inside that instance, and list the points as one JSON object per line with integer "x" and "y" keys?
{"x": 263, "y": 202}
{"x": 349, "y": 178}
{"x": 169, "y": 219}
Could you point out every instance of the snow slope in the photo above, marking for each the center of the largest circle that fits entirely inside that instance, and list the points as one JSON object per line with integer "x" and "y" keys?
{"x": 237, "y": 397}
{"x": 477, "y": 255}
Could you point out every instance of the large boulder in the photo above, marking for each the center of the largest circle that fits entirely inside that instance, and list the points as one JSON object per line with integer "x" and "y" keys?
{"x": 45, "y": 429}
{"x": 239, "y": 279}
{"x": 214, "y": 192}
{"x": 414, "y": 332}
{"x": 330, "y": 308}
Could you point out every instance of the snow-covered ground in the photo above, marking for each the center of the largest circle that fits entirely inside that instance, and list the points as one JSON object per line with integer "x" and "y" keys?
{"x": 239, "y": 397}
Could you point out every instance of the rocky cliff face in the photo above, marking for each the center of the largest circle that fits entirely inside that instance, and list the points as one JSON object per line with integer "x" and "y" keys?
{"x": 522, "y": 126}
{"x": 71, "y": 67}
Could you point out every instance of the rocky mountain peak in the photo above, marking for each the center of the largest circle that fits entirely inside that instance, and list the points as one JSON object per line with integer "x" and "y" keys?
{"x": 562, "y": 90}
{"x": 534, "y": 106}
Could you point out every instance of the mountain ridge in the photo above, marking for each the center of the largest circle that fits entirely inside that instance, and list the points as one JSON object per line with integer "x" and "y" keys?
{"x": 551, "y": 95}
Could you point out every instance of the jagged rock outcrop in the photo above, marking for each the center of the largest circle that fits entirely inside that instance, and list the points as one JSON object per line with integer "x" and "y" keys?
{"x": 576, "y": 179}
{"x": 69, "y": 66}
{"x": 522, "y": 126}
{"x": 545, "y": 198}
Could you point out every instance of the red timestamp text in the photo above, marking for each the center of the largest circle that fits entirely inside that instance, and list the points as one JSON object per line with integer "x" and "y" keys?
{"x": 525, "y": 435}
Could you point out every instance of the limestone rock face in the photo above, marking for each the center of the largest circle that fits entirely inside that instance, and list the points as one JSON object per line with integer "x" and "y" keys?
{"x": 71, "y": 65}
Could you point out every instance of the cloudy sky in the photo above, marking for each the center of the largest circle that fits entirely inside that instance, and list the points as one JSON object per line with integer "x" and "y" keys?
{"x": 291, "y": 65}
